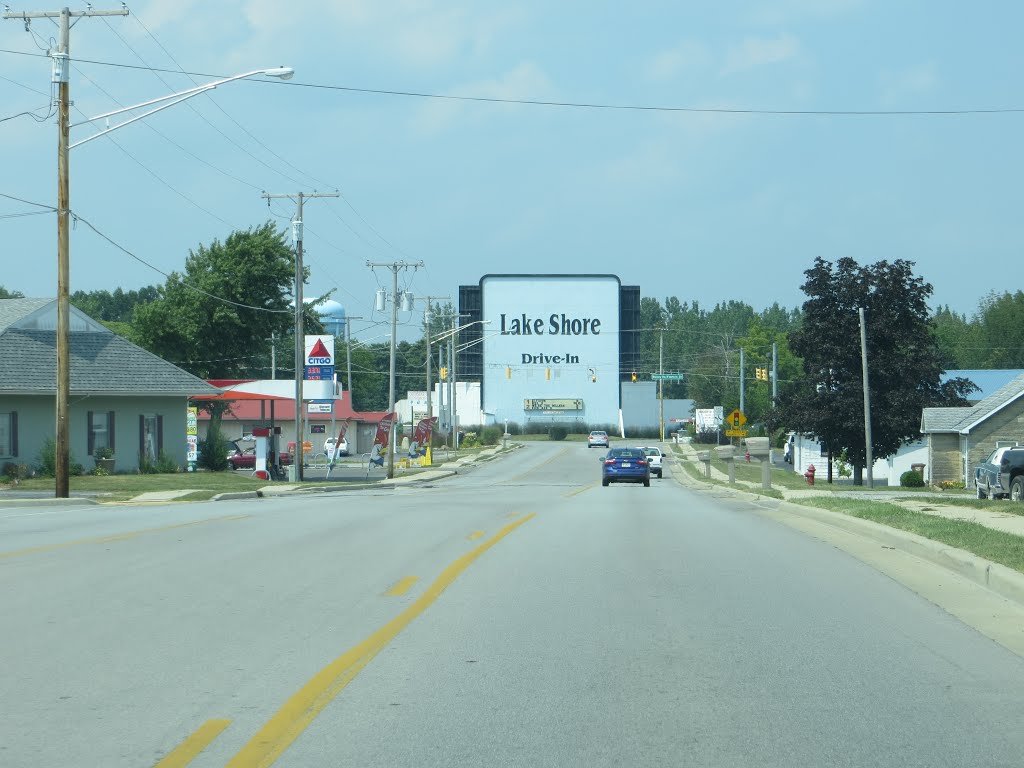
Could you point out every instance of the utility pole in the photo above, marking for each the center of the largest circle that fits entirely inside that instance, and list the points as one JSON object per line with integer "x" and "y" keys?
{"x": 61, "y": 69}
{"x": 395, "y": 267}
{"x": 348, "y": 360}
{"x": 661, "y": 385}
{"x": 300, "y": 350}
{"x": 427, "y": 317}
{"x": 775, "y": 373}
{"x": 742, "y": 382}
{"x": 868, "y": 459}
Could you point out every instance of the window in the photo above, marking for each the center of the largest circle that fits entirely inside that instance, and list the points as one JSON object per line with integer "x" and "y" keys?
{"x": 151, "y": 436}
{"x": 9, "y": 434}
{"x": 101, "y": 430}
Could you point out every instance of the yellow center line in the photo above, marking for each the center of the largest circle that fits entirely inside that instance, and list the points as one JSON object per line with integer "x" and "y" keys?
{"x": 578, "y": 491}
{"x": 475, "y": 535}
{"x": 288, "y": 723}
{"x": 186, "y": 752}
{"x": 117, "y": 536}
{"x": 402, "y": 586}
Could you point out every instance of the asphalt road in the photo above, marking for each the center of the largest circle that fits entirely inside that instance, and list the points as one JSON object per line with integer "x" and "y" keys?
{"x": 517, "y": 615}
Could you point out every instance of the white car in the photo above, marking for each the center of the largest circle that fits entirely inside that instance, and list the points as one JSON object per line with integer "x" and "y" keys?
{"x": 597, "y": 439}
{"x": 654, "y": 459}
{"x": 329, "y": 446}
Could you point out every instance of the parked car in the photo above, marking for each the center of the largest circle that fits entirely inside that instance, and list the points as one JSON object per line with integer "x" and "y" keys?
{"x": 625, "y": 465}
{"x": 654, "y": 459}
{"x": 597, "y": 439}
{"x": 329, "y": 445}
{"x": 1002, "y": 475}
{"x": 245, "y": 458}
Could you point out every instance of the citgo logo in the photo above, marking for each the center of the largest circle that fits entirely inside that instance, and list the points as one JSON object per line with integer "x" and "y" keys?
{"x": 319, "y": 354}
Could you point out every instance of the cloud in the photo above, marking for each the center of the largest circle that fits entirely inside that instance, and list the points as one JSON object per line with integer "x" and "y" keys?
{"x": 689, "y": 55}
{"x": 756, "y": 52}
{"x": 912, "y": 81}
{"x": 524, "y": 81}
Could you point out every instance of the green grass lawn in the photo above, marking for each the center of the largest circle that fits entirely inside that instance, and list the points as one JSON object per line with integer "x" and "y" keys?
{"x": 997, "y": 546}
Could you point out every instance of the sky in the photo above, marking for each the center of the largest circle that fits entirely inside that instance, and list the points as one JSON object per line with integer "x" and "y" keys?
{"x": 726, "y": 185}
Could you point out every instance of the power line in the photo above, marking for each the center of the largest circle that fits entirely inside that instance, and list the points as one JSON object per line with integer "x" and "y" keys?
{"x": 592, "y": 105}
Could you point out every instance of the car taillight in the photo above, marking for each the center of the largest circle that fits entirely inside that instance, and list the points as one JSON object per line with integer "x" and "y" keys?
{"x": 609, "y": 461}
{"x": 641, "y": 462}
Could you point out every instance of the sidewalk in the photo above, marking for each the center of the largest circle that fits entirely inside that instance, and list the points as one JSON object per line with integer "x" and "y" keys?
{"x": 996, "y": 518}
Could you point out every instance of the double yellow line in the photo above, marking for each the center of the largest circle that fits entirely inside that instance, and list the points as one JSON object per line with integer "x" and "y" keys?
{"x": 288, "y": 723}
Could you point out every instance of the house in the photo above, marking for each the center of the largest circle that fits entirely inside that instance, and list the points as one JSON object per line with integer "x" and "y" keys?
{"x": 122, "y": 397}
{"x": 959, "y": 439}
{"x": 271, "y": 402}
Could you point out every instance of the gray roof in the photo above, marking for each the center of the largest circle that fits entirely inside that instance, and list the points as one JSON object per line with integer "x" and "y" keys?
{"x": 101, "y": 361}
{"x": 13, "y": 310}
{"x": 962, "y": 420}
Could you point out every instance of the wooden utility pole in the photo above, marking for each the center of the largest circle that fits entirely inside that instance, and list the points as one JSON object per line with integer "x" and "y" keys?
{"x": 300, "y": 350}
{"x": 61, "y": 68}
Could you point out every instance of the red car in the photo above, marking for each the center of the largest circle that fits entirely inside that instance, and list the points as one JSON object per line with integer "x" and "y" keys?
{"x": 245, "y": 458}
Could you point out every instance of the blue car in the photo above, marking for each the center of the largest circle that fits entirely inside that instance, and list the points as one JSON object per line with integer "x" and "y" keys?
{"x": 625, "y": 465}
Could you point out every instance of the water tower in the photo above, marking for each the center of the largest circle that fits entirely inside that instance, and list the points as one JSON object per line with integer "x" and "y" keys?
{"x": 332, "y": 315}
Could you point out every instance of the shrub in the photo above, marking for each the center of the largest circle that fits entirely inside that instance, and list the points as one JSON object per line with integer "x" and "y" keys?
{"x": 213, "y": 452}
{"x": 146, "y": 467}
{"x": 706, "y": 437}
{"x": 951, "y": 485}
{"x": 911, "y": 479}
{"x": 469, "y": 440}
{"x": 15, "y": 473}
{"x": 557, "y": 432}
{"x": 47, "y": 459}
{"x": 491, "y": 435}
{"x": 166, "y": 465}
{"x": 514, "y": 428}
{"x": 103, "y": 452}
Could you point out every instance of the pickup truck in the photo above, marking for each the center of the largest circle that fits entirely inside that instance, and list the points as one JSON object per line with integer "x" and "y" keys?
{"x": 654, "y": 459}
{"x": 1002, "y": 475}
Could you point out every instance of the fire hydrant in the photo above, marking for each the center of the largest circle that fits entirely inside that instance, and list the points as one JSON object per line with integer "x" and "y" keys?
{"x": 748, "y": 456}
{"x": 809, "y": 474}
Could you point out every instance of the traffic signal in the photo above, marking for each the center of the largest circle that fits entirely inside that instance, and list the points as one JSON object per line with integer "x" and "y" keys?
{"x": 547, "y": 374}
{"x": 508, "y": 371}
{"x": 761, "y": 374}
{"x": 634, "y": 376}
{"x": 444, "y": 373}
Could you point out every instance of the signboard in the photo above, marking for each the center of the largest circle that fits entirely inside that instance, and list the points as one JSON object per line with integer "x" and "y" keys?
{"x": 564, "y": 404}
{"x": 380, "y": 440}
{"x": 735, "y": 433}
{"x": 319, "y": 373}
{"x": 317, "y": 429}
{"x": 666, "y": 377}
{"x": 318, "y": 407}
{"x": 736, "y": 419}
{"x": 191, "y": 435}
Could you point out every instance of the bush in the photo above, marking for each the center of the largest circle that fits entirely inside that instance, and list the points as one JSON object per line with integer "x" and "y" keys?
{"x": 557, "y": 432}
{"x": 491, "y": 435}
{"x": 911, "y": 479}
{"x": 706, "y": 437}
{"x": 514, "y": 428}
{"x": 951, "y": 485}
{"x": 469, "y": 440}
{"x": 47, "y": 459}
{"x": 166, "y": 465}
{"x": 15, "y": 473}
{"x": 213, "y": 452}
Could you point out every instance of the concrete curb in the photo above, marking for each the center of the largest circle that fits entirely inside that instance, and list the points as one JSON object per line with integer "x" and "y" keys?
{"x": 72, "y": 502}
{"x": 237, "y": 495}
{"x": 1004, "y": 581}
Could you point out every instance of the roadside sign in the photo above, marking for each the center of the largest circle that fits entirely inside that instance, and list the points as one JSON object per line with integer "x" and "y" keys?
{"x": 318, "y": 407}
{"x": 736, "y": 419}
{"x": 666, "y": 377}
{"x": 735, "y": 433}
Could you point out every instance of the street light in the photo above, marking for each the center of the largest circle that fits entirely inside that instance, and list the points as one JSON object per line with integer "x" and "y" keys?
{"x": 61, "y": 65}
{"x": 453, "y": 336}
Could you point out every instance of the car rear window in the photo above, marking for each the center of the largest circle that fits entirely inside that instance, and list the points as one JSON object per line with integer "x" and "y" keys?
{"x": 626, "y": 453}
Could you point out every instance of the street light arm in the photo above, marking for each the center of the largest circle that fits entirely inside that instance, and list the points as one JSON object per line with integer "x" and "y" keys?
{"x": 452, "y": 332}
{"x": 282, "y": 72}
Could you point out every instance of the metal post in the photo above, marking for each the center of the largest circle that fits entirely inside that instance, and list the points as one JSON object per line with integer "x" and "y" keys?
{"x": 775, "y": 373}
{"x": 455, "y": 393}
{"x": 661, "y": 385}
{"x": 867, "y": 398}
{"x": 426, "y": 322}
{"x": 742, "y": 383}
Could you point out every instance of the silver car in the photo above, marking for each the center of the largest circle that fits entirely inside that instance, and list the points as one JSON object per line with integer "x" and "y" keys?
{"x": 597, "y": 439}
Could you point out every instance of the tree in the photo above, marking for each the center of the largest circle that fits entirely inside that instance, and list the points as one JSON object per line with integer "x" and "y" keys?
{"x": 903, "y": 357}
{"x": 1001, "y": 330}
{"x": 757, "y": 345}
{"x": 6, "y": 294}
{"x": 216, "y": 319}
{"x": 117, "y": 307}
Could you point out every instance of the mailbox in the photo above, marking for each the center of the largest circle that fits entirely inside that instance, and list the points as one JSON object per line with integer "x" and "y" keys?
{"x": 725, "y": 452}
{"x": 758, "y": 446}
